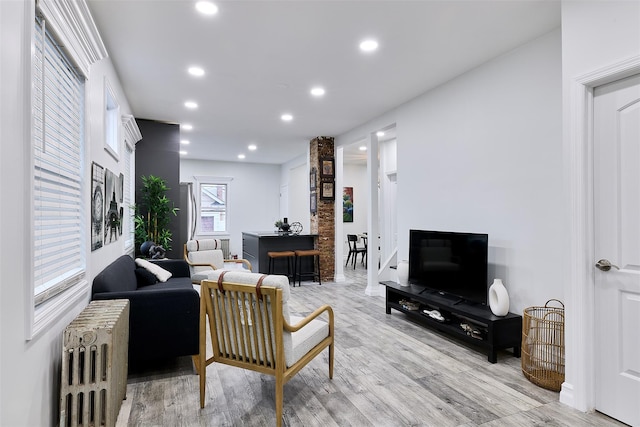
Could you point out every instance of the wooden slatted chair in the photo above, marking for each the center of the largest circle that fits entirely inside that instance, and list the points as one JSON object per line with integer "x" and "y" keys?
{"x": 204, "y": 256}
{"x": 251, "y": 328}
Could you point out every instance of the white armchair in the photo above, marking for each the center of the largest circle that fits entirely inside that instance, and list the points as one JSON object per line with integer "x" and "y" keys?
{"x": 205, "y": 256}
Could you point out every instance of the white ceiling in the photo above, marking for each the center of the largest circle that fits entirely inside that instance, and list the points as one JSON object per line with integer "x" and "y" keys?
{"x": 262, "y": 57}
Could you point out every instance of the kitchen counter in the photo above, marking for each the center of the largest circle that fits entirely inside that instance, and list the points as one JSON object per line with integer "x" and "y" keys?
{"x": 256, "y": 244}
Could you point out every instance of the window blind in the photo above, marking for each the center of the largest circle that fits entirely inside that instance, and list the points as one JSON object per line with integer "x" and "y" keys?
{"x": 58, "y": 140}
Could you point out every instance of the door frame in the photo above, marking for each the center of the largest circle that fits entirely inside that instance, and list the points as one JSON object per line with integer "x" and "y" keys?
{"x": 578, "y": 390}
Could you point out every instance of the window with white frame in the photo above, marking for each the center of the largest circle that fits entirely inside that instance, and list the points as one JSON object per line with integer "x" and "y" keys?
{"x": 58, "y": 168}
{"x": 111, "y": 121}
{"x": 128, "y": 198}
{"x": 213, "y": 206}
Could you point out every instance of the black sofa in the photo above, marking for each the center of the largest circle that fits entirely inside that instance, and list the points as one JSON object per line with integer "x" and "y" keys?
{"x": 164, "y": 317}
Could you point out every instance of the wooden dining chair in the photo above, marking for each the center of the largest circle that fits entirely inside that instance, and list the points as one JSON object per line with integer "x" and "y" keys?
{"x": 250, "y": 327}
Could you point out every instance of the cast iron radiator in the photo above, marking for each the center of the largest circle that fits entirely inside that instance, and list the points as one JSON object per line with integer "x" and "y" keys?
{"x": 94, "y": 365}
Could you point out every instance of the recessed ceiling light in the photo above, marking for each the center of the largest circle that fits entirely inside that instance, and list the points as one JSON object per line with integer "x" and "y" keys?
{"x": 241, "y": 156}
{"x": 191, "y": 105}
{"x": 183, "y": 153}
{"x": 186, "y": 126}
{"x": 368, "y": 45}
{"x": 317, "y": 91}
{"x": 379, "y": 133}
{"x": 206, "y": 8}
{"x": 363, "y": 148}
{"x": 286, "y": 117}
{"x": 184, "y": 141}
{"x": 196, "y": 71}
{"x": 252, "y": 147}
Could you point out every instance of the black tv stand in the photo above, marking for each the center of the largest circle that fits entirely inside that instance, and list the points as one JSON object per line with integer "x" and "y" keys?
{"x": 483, "y": 328}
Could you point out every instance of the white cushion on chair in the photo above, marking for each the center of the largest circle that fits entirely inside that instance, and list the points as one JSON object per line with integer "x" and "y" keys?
{"x": 202, "y": 275}
{"x": 213, "y": 257}
{"x": 205, "y": 251}
{"x": 203, "y": 245}
{"x": 305, "y": 339}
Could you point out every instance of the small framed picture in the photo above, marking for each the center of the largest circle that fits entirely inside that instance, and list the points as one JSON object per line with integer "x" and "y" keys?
{"x": 326, "y": 167}
{"x": 327, "y": 190}
{"x": 312, "y": 179}
{"x": 313, "y": 202}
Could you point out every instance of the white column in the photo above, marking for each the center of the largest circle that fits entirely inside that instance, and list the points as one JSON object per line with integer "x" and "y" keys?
{"x": 373, "y": 286}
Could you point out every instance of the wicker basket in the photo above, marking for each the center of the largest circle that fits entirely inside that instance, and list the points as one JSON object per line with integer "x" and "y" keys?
{"x": 543, "y": 345}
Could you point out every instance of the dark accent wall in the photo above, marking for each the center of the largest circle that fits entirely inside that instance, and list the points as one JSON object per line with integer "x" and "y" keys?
{"x": 157, "y": 153}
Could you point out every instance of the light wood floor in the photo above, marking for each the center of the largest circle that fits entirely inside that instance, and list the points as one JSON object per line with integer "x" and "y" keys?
{"x": 388, "y": 372}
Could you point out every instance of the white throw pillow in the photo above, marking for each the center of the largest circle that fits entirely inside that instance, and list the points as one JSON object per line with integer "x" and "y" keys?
{"x": 162, "y": 274}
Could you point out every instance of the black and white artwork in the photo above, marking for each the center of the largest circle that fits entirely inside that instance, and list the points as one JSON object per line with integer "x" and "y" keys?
{"x": 113, "y": 207}
{"x": 97, "y": 205}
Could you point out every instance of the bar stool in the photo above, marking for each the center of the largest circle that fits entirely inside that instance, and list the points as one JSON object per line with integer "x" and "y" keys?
{"x": 290, "y": 256}
{"x": 297, "y": 271}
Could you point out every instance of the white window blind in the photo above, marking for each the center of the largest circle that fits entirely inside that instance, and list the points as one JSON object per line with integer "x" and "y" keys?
{"x": 58, "y": 140}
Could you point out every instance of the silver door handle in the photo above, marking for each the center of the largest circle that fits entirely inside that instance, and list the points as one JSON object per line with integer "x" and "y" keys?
{"x": 605, "y": 265}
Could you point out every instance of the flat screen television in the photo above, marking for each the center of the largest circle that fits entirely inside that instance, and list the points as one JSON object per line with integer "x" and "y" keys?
{"x": 450, "y": 263}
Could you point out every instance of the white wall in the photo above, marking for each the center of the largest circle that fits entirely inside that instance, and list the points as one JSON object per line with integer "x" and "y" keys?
{"x": 295, "y": 175}
{"x": 30, "y": 370}
{"x": 254, "y": 198}
{"x": 595, "y": 35}
{"x": 483, "y": 153}
{"x": 95, "y": 131}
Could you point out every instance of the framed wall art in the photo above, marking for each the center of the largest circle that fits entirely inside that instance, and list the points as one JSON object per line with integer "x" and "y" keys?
{"x": 113, "y": 208}
{"x": 97, "y": 205}
{"x": 313, "y": 179}
{"x": 327, "y": 190}
{"x": 313, "y": 202}
{"x": 326, "y": 168}
{"x": 347, "y": 204}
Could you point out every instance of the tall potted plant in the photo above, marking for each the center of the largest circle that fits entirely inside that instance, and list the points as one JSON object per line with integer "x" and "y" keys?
{"x": 153, "y": 213}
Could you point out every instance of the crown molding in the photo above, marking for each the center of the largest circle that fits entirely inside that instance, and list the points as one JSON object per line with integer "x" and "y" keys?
{"x": 73, "y": 24}
{"x": 131, "y": 130}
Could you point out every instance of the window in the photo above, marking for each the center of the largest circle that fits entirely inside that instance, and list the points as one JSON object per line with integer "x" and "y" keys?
{"x": 131, "y": 136}
{"x": 128, "y": 200}
{"x": 213, "y": 208}
{"x": 213, "y": 204}
{"x": 111, "y": 122}
{"x": 58, "y": 168}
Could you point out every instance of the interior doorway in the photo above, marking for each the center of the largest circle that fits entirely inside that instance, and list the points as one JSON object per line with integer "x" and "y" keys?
{"x": 578, "y": 391}
{"x": 617, "y": 248}
{"x": 368, "y": 187}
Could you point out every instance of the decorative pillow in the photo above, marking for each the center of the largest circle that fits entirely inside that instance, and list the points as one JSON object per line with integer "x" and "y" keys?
{"x": 145, "y": 277}
{"x": 162, "y": 274}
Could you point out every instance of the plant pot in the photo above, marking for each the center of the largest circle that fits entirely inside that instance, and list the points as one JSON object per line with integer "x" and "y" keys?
{"x": 145, "y": 246}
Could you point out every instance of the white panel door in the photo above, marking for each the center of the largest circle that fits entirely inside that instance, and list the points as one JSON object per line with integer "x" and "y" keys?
{"x": 617, "y": 241}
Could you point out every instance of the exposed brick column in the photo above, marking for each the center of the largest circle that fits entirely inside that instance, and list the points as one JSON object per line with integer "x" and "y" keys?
{"x": 323, "y": 221}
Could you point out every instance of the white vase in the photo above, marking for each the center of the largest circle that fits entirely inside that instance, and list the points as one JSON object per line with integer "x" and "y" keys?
{"x": 403, "y": 272}
{"x": 498, "y": 298}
